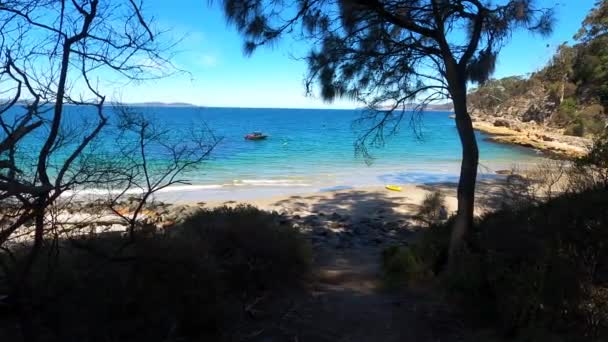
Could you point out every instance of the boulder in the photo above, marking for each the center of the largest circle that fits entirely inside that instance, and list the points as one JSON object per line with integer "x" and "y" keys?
{"x": 501, "y": 123}
{"x": 547, "y": 138}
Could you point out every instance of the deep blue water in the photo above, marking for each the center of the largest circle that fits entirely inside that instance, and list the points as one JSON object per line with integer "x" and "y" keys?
{"x": 315, "y": 148}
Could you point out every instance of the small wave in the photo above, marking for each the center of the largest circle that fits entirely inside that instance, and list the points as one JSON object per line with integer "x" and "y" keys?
{"x": 102, "y": 192}
{"x": 191, "y": 187}
{"x": 269, "y": 182}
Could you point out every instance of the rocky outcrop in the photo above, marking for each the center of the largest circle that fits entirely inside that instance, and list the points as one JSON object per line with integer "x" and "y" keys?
{"x": 533, "y": 105}
{"x": 533, "y": 135}
{"x": 527, "y": 120}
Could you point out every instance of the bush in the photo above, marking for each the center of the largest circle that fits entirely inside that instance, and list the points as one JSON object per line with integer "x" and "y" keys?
{"x": 401, "y": 266}
{"x": 591, "y": 170}
{"x": 420, "y": 261}
{"x": 189, "y": 284}
{"x": 432, "y": 210}
{"x": 537, "y": 271}
{"x": 542, "y": 267}
{"x": 555, "y": 90}
{"x": 576, "y": 128}
{"x": 153, "y": 287}
{"x": 567, "y": 111}
{"x": 252, "y": 246}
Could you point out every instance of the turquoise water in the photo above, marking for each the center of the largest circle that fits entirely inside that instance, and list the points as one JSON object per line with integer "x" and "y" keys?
{"x": 314, "y": 149}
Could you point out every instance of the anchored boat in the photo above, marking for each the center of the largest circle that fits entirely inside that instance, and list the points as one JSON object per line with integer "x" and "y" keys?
{"x": 256, "y": 136}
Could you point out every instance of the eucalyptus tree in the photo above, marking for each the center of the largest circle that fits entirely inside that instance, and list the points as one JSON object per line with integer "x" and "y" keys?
{"x": 393, "y": 53}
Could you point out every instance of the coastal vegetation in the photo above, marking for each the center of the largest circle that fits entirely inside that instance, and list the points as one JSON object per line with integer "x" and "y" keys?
{"x": 359, "y": 265}
{"x": 194, "y": 281}
{"x": 569, "y": 93}
{"x": 369, "y": 51}
{"x": 534, "y": 269}
{"x": 52, "y": 55}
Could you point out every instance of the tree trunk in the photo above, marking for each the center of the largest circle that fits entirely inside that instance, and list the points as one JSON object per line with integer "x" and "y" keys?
{"x": 468, "y": 171}
{"x": 22, "y": 287}
{"x": 562, "y": 89}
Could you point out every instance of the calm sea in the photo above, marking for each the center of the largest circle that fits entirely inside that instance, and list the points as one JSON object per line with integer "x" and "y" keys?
{"x": 313, "y": 150}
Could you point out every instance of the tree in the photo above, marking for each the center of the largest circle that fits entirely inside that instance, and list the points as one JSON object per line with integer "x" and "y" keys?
{"x": 595, "y": 23}
{"x": 395, "y": 52}
{"x": 52, "y": 54}
{"x": 150, "y": 159}
{"x": 591, "y": 64}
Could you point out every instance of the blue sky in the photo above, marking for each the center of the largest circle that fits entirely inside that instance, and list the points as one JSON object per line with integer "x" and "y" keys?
{"x": 219, "y": 74}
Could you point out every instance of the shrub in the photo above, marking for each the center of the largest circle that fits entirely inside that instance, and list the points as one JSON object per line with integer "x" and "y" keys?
{"x": 576, "y": 128}
{"x": 535, "y": 270}
{"x": 591, "y": 170}
{"x": 555, "y": 90}
{"x": 541, "y": 267}
{"x": 401, "y": 266}
{"x": 567, "y": 111}
{"x": 84, "y": 291}
{"x": 256, "y": 250}
{"x": 421, "y": 260}
{"x": 432, "y": 209}
{"x": 188, "y": 284}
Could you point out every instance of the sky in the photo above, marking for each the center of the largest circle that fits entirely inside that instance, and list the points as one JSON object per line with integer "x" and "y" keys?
{"x": 219, "y": 75}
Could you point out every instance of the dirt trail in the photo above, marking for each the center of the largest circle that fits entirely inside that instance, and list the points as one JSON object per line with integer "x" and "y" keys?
{"x": 347, "y": 302}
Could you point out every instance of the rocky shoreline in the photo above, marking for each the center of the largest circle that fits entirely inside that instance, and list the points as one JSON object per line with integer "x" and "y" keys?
{"x": 530, "y": 134}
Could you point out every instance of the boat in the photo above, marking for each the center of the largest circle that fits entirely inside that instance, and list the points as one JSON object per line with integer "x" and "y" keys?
{"x": 256, "y": 136}
{"x": 393, "y": 187}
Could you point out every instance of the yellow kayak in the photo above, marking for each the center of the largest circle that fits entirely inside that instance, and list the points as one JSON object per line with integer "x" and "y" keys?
{"x": 393, "y": 187}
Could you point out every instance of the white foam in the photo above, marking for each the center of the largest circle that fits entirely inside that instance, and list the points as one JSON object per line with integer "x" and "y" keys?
{"x": 269, "y": 182}
{"x": 102, "y": 192}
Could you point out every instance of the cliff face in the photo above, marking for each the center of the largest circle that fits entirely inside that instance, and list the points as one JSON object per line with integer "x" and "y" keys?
{"x": 534, "y": 105}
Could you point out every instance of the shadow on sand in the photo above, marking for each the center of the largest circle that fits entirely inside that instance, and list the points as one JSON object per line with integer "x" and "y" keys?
{"x": 347, "y": 300}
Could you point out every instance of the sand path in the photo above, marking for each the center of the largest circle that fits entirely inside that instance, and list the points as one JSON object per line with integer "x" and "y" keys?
{"x": 346, "y": 300}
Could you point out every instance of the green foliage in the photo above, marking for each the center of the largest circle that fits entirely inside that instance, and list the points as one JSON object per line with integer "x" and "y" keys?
{"x": 560, "y": 66}
{"x": 575, "y": 128}
{"x": 575, "y": 72}
{"x": 432, "y": 208}
{"x": 401, "y": 266}
{"x": 559, "y": 88}
{"x": 567, "y": 111}
{"x": 252, "y": 245}
{"x": 537, "y": 270}
{"x": 592, "y": 169}
{"x": 598, "y": 155}
{"x": 188, "y": 284}
{"x": 421, "y": 260}
{"x": 495, "y": 92}
{"x": 596, "y": 22}
{"x": 542, "y": 267}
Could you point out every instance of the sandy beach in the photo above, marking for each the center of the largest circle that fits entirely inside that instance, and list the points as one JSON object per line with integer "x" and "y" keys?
{"x": 363, "y": 202}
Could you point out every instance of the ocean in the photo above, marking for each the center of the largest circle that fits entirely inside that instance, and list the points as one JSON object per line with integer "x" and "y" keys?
{"x": 312, "y": 150}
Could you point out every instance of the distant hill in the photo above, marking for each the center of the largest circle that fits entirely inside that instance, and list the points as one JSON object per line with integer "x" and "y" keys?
{"x": 136, "y": 104}
{"x": 442, "y": 107}
{"x": 161, "y": 104}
